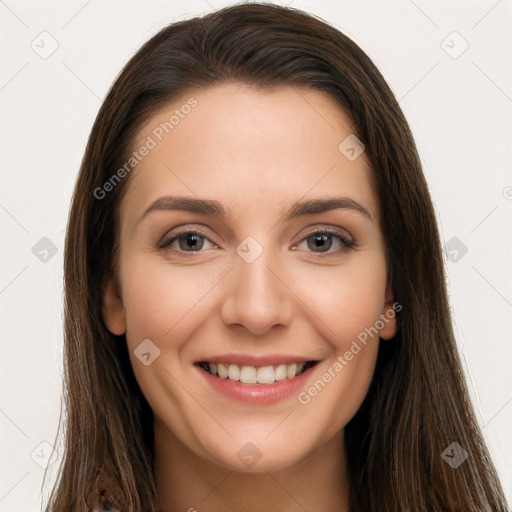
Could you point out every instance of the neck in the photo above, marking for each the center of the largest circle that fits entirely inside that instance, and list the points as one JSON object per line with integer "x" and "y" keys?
{"x": 188, "y": 483}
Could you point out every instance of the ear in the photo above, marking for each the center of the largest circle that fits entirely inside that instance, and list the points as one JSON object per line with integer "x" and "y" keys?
{"x": 112, "y": 308}
{"x": 389, "y": 311}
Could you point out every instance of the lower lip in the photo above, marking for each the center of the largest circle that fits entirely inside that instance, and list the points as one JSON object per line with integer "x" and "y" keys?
{"x": 260, "y": 394}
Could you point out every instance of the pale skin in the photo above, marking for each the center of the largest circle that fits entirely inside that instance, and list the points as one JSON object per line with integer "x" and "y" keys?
{"x": 256, "y": 152}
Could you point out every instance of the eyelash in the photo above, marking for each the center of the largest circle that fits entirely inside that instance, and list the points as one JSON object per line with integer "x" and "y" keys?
{"x": 347, "y": 244}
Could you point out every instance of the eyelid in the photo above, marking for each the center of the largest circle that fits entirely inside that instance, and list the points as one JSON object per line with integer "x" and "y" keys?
{"x": 332, "y": 230}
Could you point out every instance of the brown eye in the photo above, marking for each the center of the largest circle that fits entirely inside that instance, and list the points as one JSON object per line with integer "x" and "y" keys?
{"x": 188, "y": 241}
{"x": 321, "y": 242}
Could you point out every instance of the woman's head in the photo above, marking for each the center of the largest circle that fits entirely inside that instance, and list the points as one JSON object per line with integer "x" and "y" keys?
{"x": 275, "y": 139}
{"x": 255, "y": 287}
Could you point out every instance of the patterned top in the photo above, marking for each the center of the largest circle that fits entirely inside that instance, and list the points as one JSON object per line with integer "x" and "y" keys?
{"x": 104, "y": 504}
{"x": 108, "y": 496}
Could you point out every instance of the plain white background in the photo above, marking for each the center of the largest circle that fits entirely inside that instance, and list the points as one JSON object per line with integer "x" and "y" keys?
{"x": 448, "y": 64}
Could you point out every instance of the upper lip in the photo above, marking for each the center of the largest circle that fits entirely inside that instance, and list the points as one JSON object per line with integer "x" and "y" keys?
{"x": 251, "y": 360}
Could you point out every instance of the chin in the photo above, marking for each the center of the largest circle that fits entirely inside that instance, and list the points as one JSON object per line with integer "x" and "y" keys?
{"x": 244, "y": 456}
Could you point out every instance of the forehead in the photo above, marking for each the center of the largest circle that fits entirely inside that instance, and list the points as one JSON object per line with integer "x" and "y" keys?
{"x": 252, "y": 149}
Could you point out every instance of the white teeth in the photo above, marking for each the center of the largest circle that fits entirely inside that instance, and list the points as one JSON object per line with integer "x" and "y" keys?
{"x": 280, "y": 373}
{"x": 233, "y": 372}
{"x": 253, "y": 375}
{"x": 248, "y": 375}
{"x": 265, "y": 375}
{"x": 291, "y": 370}
{"x": 222, "y": 371}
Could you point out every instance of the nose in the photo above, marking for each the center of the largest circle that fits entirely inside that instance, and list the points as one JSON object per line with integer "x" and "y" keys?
{"x": 259, "y": 297}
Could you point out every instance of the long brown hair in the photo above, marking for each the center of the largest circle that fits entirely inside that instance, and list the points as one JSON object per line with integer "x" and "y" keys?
{"x": 417, "y": 404}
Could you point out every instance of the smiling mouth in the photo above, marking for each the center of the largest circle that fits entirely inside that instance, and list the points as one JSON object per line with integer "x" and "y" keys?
{"x": 256, "y": 375}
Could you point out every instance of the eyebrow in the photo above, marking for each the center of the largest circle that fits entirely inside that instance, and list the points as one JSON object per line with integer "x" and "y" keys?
{"x": 313, "y": 206}
{"x": 214, "y": 208}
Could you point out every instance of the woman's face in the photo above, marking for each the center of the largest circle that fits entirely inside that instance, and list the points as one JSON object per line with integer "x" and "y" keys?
{"x": 271, "y": 262}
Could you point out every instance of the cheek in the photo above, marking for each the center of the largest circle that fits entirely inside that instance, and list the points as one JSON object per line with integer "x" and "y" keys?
{"x": 160, "y": 300}
{"x": 347, "y": 305}
{"x": 345, "y": 300}
{"x": 165, "y": 305}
